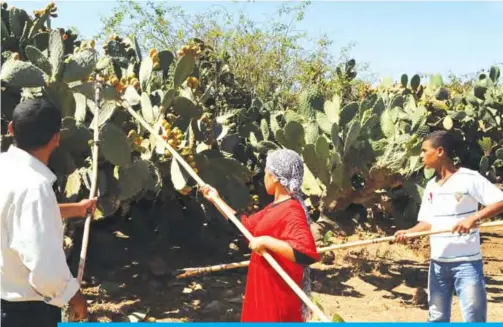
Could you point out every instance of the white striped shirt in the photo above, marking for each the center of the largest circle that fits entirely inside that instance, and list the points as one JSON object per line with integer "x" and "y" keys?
{"x": 445, "y": 205}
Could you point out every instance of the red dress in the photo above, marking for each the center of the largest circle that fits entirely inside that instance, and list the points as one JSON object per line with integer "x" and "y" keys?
{"x": 268, "y": 298}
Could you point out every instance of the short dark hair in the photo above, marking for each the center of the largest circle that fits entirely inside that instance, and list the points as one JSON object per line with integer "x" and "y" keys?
{"x": 445, "y": 140}
{"x": 35, "y": 121}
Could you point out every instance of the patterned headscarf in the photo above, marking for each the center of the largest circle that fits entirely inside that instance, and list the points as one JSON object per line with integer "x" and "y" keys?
{"x": 287, "y": 166}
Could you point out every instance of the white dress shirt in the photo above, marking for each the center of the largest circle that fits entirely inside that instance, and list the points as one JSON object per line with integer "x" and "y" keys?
{"x": 32, "y": 262}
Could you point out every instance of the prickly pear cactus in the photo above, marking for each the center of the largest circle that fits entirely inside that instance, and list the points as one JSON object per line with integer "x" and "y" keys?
{"x": 359, "y": 144}
{"x": 311, "y": 101}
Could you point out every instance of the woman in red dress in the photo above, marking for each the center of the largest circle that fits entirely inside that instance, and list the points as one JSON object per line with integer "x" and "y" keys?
{"x": 281, "y": 228}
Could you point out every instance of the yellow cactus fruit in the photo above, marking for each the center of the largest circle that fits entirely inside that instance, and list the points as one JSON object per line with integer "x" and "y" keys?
{"x": 152, "y": 52}
{"x": 114, "y": 81}
{"x": 167, "y": 154}
{"x": 192, "y": 82}
{"x": 92, "y": 44}
{"x": 155, "y": 57}
{"x": 137, "y": 85}
{"x": 171, "y": 142}
{"x": 131, "y": 77}
{"x": 193, "y": 164}
{"x": 157, "y": 66}
{"x": 196, "y": 170}
{"x": 180, "y": 53}
{"x": 138, "y": 140}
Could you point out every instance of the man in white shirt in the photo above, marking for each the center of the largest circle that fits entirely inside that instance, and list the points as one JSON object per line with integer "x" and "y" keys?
{"x": 450, "y": 201}
{"x": 35, "y": 279}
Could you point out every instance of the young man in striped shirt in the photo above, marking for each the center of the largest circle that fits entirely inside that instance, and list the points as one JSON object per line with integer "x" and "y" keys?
{"x": 451, "y": 200}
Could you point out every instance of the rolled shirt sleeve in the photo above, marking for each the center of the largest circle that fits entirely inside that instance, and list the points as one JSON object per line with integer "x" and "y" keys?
{"x": 39, "y": 243}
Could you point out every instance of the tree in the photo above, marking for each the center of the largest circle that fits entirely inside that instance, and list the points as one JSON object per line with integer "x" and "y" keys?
{"x": 269, "y": 57}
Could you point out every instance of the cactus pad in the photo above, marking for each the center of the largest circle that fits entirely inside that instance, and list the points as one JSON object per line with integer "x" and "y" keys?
{"x": 184, "y": 68}
{"x": 114, "y": 145}
{"x": 22, "y": 74}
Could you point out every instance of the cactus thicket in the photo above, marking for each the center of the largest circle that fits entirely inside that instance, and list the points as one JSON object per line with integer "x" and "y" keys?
{"x": 356, "y": 149}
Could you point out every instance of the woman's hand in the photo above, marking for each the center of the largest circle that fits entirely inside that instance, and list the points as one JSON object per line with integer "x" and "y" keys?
{"x": 259, "y": 244}
{"x": 209, "y": 193}
{"x": 212, "y": 195}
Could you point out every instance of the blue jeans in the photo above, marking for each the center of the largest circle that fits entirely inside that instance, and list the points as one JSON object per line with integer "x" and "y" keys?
{"x": 467, "y": 279}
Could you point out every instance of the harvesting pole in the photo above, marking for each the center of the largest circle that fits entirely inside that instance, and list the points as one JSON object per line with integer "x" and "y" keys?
{"x": 189, "y": 272}
{"x": 98, "y": 95}
{"x": 219, "y": 203}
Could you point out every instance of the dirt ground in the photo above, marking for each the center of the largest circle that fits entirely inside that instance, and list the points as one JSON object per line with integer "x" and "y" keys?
{"x": 378, "y": 283}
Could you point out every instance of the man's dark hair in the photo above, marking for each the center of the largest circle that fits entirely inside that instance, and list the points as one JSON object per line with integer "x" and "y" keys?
{"x": 443, "y": 139}
{"x": 35, "y": 121}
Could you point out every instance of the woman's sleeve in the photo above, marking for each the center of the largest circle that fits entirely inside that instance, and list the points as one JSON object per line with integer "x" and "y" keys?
{"x": 297, "y": 234}
{"x": 250, "y": 222}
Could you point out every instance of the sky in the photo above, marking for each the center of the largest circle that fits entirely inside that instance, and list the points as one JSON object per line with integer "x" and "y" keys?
{"x": 393, "y": 37}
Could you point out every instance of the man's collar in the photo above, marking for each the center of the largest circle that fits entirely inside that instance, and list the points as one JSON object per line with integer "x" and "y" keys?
{"x": 24, "y": 157}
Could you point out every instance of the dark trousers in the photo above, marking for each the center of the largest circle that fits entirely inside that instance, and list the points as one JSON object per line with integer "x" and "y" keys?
{"x": 30, "y": 314}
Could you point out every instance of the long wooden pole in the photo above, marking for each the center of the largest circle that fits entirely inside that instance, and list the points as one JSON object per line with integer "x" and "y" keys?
{"x": 219, "y": 203}
{"x": 196, "y": 271}
{"x": 94, "y": 182}
{"x": 92, "y": 194}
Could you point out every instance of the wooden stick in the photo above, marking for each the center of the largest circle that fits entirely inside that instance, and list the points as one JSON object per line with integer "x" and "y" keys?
{"x": 92, "y": 194}
{"x": 196, "y": 271}
{"x": 219, "y": 203}
{"x": 225, "y": 266}
{"x": 94, "y": 182}
{"x": 392, "y": 238}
